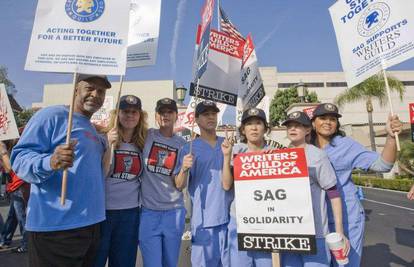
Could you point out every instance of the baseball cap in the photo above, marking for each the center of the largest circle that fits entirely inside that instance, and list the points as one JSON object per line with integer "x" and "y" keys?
{"x": 166, "y": 103}
{"x": 253, "y": 112}
{"x": 85, "y": 77}
{"x": 298, "y": 116}
{"x": 205, "y": 105}
{"x": 326, "y": 109}
{"x": 130, "y": 101}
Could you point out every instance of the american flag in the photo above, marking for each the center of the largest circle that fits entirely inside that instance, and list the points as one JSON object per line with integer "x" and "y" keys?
{"x": 228, "y": 27}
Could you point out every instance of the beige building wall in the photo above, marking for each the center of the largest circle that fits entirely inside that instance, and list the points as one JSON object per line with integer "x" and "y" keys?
{"x": 148, "y": 91}
{"x": 352, "y": 113}
{"x": 326, "y": 84}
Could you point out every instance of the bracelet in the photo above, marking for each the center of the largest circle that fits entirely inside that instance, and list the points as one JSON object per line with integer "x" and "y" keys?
{"x": 4, "y": 152}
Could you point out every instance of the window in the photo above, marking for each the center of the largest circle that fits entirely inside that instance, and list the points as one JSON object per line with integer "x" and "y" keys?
{"x": 286, "y": 85}
{"x": 289, "y": 85}
{"x": 336, "y": 84}
{"x": 408, "y": 83}
{"x": 315, "y": 84}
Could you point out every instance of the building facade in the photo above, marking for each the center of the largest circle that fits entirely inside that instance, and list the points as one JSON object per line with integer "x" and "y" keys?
{"x": 327, "y": 86}
{"x": 148, "y": 91}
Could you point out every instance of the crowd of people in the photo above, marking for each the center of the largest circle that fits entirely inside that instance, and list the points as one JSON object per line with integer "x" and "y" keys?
{"x": 125, "y": 184}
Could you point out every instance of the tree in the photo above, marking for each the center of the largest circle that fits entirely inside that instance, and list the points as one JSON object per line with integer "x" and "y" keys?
{"x": 10, "y": 87}
{"x": 371, "y": 89}
{"x": 282, "y": 100}
{"x": 23, "y": 117}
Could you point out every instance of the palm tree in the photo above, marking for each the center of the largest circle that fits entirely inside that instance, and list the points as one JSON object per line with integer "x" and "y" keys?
{"x": 371, "y": 89}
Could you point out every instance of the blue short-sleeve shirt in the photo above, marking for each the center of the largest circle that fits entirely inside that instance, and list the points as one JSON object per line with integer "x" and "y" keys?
{"x": 345, "y": 155}
{"x": 211, "y": 203}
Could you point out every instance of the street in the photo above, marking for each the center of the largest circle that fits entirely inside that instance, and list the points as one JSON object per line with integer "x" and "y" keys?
{"x": 389, "y": 235}
{"x": 389, "y": 230}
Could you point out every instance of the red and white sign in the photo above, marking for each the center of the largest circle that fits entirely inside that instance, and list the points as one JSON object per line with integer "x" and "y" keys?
{"x": 8, "y": 126}
{"x": 220, "y": 82}
{"x": 251, "y": 89}
{"x": 189, "y": 117}
{"x": 411, "y": 107}
{"x": 309, "y": 111}
{"x": 103, "y": 115}
{"x": 206, "y": 15}
{"x": 273, "y": 202}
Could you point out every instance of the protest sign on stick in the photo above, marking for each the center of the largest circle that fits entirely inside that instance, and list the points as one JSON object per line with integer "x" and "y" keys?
{"x": 373, "y": 36}
{"x": 273, "y": 202}
{"x": 144, "y": 25}
{"x": 8, "y": 126}
{"x": 79, "y": 37}
{"x": 202, "y": 46}
{"x": 220, "y": 82}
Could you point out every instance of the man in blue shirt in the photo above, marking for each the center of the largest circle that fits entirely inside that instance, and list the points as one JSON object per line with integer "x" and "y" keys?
{"x": 210, "y": 202}
{"x": 64, "y": 235}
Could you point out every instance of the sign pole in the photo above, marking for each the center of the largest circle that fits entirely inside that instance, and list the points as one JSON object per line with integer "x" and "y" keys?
{"x": 121, "y": 82}
{"x": 397, "y": 139}
{"x": 68, "y": 134}
{"x": 192, "y": 124}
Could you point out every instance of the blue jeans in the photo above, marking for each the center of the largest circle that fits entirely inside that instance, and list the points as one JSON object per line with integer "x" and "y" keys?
{"x": 119, "y": 238}
{"x": 16, "y": 216}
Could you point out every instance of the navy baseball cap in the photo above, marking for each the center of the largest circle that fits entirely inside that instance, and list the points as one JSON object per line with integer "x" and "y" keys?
{"x": 130, "y": 101}
{"x": 205, "y": 106}
{"x": 86, "y": 77}
{"x": 253, "y": 113}
{"x": 326, "y": 109}
{"x": 166, "y": 103}
{"x": 299, "y": 117}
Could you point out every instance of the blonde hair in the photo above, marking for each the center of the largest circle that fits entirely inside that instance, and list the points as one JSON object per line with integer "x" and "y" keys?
{"x": 140, "y": 131}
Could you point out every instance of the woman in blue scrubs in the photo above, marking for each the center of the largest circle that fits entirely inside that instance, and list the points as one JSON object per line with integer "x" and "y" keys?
{"x": 346, "y": 155}
{"x": 252, "y": 130}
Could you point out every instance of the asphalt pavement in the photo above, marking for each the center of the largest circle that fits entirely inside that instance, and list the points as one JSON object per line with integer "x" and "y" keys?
{"x": 389, "y": 230}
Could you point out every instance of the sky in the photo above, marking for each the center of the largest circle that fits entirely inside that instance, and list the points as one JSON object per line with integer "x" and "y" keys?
{"x": 293, "y": 35}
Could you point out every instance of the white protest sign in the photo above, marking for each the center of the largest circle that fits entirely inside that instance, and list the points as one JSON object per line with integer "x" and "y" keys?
{"x": 273, "y": 202}
{"x": 251, "y": 89}
{"x": 102, "y": 116}
{"x": 220, "y": 82}
{"x": 372, "y": 35}
{"x": 84, "y": 36}
{"x": 189, "y": 116}
{"x": 8, "y": 126}
{"x": 144, "y": 25}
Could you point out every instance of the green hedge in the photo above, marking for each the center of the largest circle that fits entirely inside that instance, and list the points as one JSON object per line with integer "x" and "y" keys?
{"x": 393, "y": 184}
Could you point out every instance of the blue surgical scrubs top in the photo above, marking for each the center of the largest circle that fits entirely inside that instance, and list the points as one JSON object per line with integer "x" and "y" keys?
{"x": 346, "y": 155}
{"x": 210, "y": 202}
